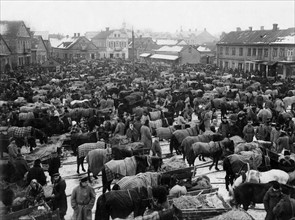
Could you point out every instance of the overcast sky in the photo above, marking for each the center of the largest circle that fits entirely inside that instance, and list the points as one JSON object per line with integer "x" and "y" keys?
{"x": 69, "y": 17}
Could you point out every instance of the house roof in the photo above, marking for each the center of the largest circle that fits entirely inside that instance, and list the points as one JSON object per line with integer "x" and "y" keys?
{"x": 91, "y": 34}
{"x": 170, "y": 49}
{"x": 2, "y": 52}
{"x": 11, "y": 28}
{"x": 162, "y": 42}
{"x": 164, "y": 57}
{"x": 203, "y": 49}
{"x": 144, "y": 55}
{"x": 35, "y": 42}
{"x": 103, "y": 34}
{"x": 69, "y": 42}
{"x": 286, "y": 36}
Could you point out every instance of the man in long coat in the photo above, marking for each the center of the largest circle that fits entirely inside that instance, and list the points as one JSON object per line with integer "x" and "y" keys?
{"x": 82, "y": 200}
{"x": 248, "y": 131}
{"x": 59, "y": 195}
{"x": 146, "y": 136}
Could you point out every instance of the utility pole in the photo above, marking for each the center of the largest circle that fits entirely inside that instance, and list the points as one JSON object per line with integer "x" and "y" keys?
{"x": 133, "y": 54}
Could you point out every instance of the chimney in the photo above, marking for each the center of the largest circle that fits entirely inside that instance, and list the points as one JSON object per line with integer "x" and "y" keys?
{"x": 275, "y": 27}
{"x": 78, "y": 34}
{"x": 261, "y": 28}
{"x": 74, "y": 34}
{"x": 107, "y": 28}
{"x": 238, "y": 29}
{"x": 250, "y": 28}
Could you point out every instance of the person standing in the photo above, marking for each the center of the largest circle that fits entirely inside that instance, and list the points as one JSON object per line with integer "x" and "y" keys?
{"x": 271, "y": 199}
{"x": 82, "y": 200}
{"x": 248, "y": 131}
{"x": 12, "y": 150}
{"x": 283, "y": 142}
{"x": 36, "y": 172}
{"x": 132, "y": 134}
{"x": 120, "y": 128}
{"x": 54, "y": 165}
{"x": 146, "y": 136}
{"x": 59, "y": 195}
{"x": 156, "y": 148}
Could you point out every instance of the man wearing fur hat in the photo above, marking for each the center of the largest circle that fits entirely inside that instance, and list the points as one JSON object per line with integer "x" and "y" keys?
{"x": 59, "y": 195}
{"x": 82, "y": 200}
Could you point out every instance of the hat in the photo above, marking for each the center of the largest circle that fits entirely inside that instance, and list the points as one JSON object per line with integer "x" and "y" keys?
{"x": 84, "y": 179}
{"x": 56, "y": 174}
{"x": 276, "y": 185}
{"x": 287, "y": 153}
{"x": 37, "y": 162}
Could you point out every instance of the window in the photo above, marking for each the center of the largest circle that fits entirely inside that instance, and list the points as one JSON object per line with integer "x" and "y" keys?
{"x": 282, "y": 52}
{"x": 254, "y": 52}
{"x": 233, "y": 52}
{"x": 123, "y": 55}
{"x": 118, "y": 35}
{"x": 265, "y": 52}
{"x": 290, "y": 52}
{"x": 259, "y": 52}
{"x": 117, "y": 43}
{"x": 115, "y": 35}
{"x": 221, "y": 51}
{"x": 226, "y": 51}
{"x": 118, "y": 55}
{"x": 249, "y": 52}
{"x": 226, "y": 65}
{"x": 241, "y": 52}
{"x": 275, "y": 52}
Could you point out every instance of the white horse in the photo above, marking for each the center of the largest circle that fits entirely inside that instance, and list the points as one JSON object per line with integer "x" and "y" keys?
{"x": 255, "y": 176}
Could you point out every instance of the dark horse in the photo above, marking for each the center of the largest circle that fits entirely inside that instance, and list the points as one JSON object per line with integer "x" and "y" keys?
{"x": 141, "y": 165}
{"x": 285, "y": 209}
{"x": 82, "y": 138}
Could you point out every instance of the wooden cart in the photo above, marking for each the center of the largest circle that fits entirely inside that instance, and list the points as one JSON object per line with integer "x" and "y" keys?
{"x": 184, "y": 173}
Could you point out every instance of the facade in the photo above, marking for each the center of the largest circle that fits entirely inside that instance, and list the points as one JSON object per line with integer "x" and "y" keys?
{"x": 5, "y": 54}
{"x": 18, "y": 38}
{"x": 75, "y": 48}
{"x": 39, "y": 50}
{"x": 207, "y": 56}
{"x": 194, "y": 37}
{"x": 268, "y": 51}
{"x": 112, "y": 44}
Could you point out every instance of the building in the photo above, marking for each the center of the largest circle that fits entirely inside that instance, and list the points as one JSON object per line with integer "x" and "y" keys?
{"x": 39, "y": 50}
{"x": 74, "y": 48}
{"x": 176, "y": 55}
{"x": 112, "y": 44}
{"x": 142, "y": 45}
{"x": 207, "y": 56}
{"x": 268, "y": 51}
{"x": 194, "y": 37}
{"x": 18, "y": 38}
{"x": 5, "y": 55}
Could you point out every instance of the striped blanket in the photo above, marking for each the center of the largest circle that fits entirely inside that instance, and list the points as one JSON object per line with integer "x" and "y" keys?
{"x": 126, "y": 167}
{"x": 19, "y": 132}
{"x": 84, "y": 149}
{"x": 97, "y": 158}
{"x": 140, "y": 180}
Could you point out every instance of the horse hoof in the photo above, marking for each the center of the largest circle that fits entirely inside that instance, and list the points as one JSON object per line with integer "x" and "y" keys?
{"x": 83, "y": 170}
{"x": 78, "y": 172}
{"x": 216, "y": 169}
{"x": 210, "y": 168}
{"x": 95, "y": 177}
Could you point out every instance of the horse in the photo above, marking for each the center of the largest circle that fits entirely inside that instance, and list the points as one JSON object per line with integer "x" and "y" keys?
{"x": 214, "y": 149}
{"x": 96, "y": 160}
{"x": 255, "y": 176}
{"x": 285, "y": 209}
{"x": 78, "y": 139}
{"x": 120, "y": 203}
{"x": 120, "y": 152}
{"x": 29, "y": 133}
{"x": 179, "y": 135}
{"x": 127, "y": 167}
{"x": 187, "y": 143}
{"x": 84, "y": 149}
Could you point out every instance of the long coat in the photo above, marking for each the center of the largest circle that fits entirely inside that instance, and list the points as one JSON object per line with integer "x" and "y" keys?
{"x": 82, "y": 201}
{"x": 270, "y": 200}
{"x": 248, "y": 132}
{"x": 21, "y": 167}
{"x": 60, "y": 198}
{"x": 146, "y": 136}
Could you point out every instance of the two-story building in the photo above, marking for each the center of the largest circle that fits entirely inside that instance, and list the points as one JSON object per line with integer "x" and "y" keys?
{"x": 39, "y": 50}
{"x": 268, "y": 51}
{"x": 76, "y": 47}
{"x": 142, "y": 45}
{"x": 18, "y": 38}
{"x": 112, "y": 44}
{"x": 5, "y": 53}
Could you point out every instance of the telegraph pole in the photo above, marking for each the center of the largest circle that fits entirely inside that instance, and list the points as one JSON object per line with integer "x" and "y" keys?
{"x": 133, "y": 54}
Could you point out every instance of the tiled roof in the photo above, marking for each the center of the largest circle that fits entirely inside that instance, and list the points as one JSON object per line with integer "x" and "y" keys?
{"x": 103, "y": 34}
{"x": 259, "y": 37}
{"x": 10, "y": 28}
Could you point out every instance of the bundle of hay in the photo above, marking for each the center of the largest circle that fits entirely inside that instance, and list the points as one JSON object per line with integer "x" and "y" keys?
{"x": 233, "y": 215}
{"x": 173, "y": 163}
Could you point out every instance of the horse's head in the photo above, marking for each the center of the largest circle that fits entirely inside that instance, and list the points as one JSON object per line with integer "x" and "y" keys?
{"x": 228, "y": 146}
{"x": 156, "y": 162}
{"x": 142, "y": 163}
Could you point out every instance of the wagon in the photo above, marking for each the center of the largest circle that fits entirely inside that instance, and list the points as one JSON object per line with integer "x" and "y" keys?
{"x": 183, "y": 173}
{"x": 204, "y": 212}
{"x": 196, "y": 192}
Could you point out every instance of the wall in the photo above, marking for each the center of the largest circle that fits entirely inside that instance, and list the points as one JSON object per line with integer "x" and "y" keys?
{"x": 190, "y": 55}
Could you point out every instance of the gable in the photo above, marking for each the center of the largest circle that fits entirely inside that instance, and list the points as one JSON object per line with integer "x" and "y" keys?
{"x": 82, "y": 44}
{"x": 22, "y": 31}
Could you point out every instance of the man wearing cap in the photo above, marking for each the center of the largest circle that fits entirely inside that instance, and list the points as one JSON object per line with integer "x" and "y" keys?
{"x": 12, "y": 150}
{"x": 59, "y": 195}
{"x": 82, "y": 200}
{"x": 271, "y": 199}
{"x": 248, "y": 131}
{"x": 275, "y": 134}
{"x": 224, "y": 126}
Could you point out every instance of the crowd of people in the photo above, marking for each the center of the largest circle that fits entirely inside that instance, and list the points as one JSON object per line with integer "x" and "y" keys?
{"x": 248, "y": 120}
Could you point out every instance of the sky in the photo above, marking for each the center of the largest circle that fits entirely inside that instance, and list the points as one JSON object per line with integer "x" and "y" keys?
{"x": 68, "y": 17}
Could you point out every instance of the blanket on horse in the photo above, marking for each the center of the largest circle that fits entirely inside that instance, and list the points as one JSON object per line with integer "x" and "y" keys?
{"x": 140, "y": 180}
{"x": 126, "y": 167}
{"x": 182, "y": 134}
{"x": 254, "y": 157}
{"x": 97, "y": 158}
{"x": 19, "y": 132}
{"x": 84, "y": 149}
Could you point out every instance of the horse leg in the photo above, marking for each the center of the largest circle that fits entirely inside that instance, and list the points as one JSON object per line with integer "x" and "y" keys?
{"x": 227, "y": 181}
{"x": 216, "y": 163}
{"x": 88, "y": 174}
{"x": 78, "y": 165}
{"x": 82, "y": 163}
